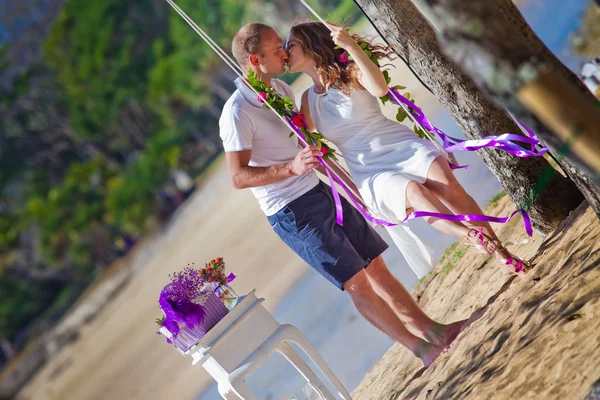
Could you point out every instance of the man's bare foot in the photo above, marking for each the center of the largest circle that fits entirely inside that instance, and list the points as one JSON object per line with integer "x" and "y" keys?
{"x": 428, "y": 353}
{"x": 444, "y": 335}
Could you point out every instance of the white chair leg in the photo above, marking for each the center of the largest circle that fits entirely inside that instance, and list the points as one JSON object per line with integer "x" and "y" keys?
{"x": 242, "y": 390}
{"x": 226, "y": 391}
{"x": 290, "y": 333}
{"x": 288, "y": 352}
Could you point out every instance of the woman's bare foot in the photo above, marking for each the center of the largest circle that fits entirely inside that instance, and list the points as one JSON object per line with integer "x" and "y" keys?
{"x": 510, "y": 264}
{"x": 444, "y": 335}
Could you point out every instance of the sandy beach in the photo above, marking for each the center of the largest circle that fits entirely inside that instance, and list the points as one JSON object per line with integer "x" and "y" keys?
{"x": 531, "y": 338}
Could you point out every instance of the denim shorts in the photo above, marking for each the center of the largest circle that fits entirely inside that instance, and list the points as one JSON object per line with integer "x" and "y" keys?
{"x": 308, "y": 226}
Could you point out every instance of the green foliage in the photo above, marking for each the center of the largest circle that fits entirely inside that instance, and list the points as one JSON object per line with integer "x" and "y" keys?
{"x": 130, "y": 197}
{"x": 494, "y": 201}
{"x": 184, "y": 59}
{"x": 450, "y": 258}
{"x": 101, "y": 58}
{"x": 345, "y": 12}
{"x": 19, "y": 302}
{"x": 66, "y": 212}
{"x": 10, "y": 228}
{"x": 107, "y": 55}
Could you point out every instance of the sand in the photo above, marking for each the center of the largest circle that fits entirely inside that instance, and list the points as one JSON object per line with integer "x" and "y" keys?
{"x": 531, "y": 338}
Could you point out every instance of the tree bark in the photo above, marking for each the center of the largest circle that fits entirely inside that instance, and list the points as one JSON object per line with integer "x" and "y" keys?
{"x": 549, "y": 200}
{"x": 516, "y": 19}
{"x": 493, "y": 43}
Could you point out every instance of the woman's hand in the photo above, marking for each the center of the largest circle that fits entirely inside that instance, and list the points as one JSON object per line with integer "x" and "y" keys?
{"x": 341, "y": 37}
{"x": 370, "y": 76}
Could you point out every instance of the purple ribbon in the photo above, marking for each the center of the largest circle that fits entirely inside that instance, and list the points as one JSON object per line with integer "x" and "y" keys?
{"x": 339, "y": 213}
{"x": 451, "y": 144}
{"x": 474, "y": 217}
{"x": 230, "y": 277}
{"x": 416, "y": 214}
{"x": 179, "y": 312}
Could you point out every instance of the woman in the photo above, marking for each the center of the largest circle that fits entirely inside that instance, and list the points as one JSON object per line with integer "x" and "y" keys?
{"x": 393, "y": 168}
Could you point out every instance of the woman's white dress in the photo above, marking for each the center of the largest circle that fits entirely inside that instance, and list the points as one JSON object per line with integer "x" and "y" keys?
{"x": 382, "y": 156}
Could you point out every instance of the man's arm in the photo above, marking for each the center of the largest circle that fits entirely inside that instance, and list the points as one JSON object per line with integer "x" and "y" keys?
{"x": 244, "y": 176}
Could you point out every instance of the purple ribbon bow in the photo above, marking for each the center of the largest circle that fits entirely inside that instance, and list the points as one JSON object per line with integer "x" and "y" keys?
{"x": 506, "y": 141}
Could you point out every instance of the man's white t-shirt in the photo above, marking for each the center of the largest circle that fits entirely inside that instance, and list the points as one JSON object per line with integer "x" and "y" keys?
{"x": 247, "y": 124}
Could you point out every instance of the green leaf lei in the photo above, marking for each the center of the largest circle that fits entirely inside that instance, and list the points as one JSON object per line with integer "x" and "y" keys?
{"x": 285, "y": 107}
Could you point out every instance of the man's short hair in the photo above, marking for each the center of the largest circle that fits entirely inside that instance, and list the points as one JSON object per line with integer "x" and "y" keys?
{"x": 248, "y": 41}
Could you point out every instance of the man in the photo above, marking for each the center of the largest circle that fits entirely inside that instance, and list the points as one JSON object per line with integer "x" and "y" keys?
{"x": 261, "y": 156}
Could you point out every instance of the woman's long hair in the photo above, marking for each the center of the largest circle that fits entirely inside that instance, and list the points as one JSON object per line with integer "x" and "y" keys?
{"x": 316, "y": 42}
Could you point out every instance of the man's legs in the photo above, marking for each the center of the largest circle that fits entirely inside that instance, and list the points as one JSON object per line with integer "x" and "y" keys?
{"x": 396, "y": 296}
{"x": 375, "y": 310}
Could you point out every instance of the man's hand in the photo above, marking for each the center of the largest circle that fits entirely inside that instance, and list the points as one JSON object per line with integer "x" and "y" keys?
{"x": 306, "y": 160}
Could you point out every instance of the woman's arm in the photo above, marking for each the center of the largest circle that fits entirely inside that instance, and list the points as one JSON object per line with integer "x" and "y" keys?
{"x": 370, "y": 77}
{"x": 305, "y": 109}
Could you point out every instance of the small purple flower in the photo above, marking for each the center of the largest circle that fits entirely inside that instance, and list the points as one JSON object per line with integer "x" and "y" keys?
{"x": 186, "y": 285}
{"x": 344, "y": 57}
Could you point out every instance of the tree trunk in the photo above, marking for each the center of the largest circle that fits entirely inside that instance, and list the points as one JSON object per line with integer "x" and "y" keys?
{"x": 516, "y": 19}
{"x": 549, "y": 200}
{"x": 494, "y": 44}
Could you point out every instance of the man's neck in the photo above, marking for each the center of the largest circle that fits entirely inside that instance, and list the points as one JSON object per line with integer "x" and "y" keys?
{"x": 268, "y": 80}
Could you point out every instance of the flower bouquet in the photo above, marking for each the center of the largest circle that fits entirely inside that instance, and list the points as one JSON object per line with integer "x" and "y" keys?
{"x": 214, "y": 272}
{"x": 190, "y": 307}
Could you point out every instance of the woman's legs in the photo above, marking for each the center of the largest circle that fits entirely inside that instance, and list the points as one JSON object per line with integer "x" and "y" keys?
{"x": 423, "y": 199}
{"x": 443, "y": 184}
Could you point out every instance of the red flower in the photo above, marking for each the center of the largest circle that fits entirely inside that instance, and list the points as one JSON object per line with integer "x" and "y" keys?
{"x": 299, "y": 120}
{"x": 324, "y": 151}
{"x": 344, "y": 57}
{"x": 262, "y": 97}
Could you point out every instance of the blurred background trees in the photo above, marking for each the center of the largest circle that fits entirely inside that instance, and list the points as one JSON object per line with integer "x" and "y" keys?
{"x": 102, "y": 103}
